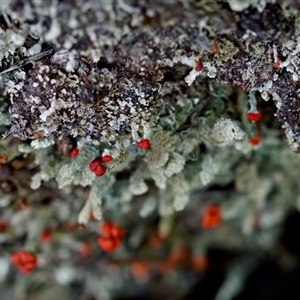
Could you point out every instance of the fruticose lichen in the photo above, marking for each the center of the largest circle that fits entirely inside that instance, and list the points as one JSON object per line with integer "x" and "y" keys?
{"x": 100, "y": 76}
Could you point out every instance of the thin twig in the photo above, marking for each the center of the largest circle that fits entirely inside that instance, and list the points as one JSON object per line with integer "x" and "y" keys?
{"x": 28, "y": 61}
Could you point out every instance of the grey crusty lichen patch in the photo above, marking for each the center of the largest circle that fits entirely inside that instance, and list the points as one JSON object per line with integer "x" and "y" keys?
{"x": 248, "y": 67}
{"x": 68, "y": 95}
{"x": 226, "y": 130}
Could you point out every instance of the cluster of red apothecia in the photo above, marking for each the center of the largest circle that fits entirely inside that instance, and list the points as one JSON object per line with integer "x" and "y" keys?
{"x": 97, "y": 167}
{"x": 3, "y": 225}
{"x": 212, "y": 216}
{"x": 112, "y": 237}
{"x": 46, "y": 235}
{"x": 109, "y": 242}
{"x": 255, "y": 117}
{"x": 3, "y": 160}
{"x": 85, "y": 250}
{"x": 74, "y": 152}
{"x": 25, "y": 261}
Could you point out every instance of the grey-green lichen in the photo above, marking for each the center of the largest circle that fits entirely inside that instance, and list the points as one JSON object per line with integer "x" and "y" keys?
{"x": 104, "y": 86}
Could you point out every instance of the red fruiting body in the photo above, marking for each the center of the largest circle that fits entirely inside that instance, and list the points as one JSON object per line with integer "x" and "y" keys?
{"x": 100, "y": 170}
{"x": 117, "y": 232}
{"x": 254, "y": 116}
{"x": 3, "y": 225}
{"x": 276, "y": 64}
{"x": 109, "y": 244}
{"x": 212, "y": 217}
{"x": 106, "y": 158}
{"x": 94, "y": 164}
{"x": 25, "y": 261}
{"x": 140, "y": 269}
{"x": 46, "y": 235}
{"x": 74, "y": 152}
{"x": 255, "y": 140}
{"x": 96, "y": 167}
{"x": 111, "y": 229}
{"x": 112, "y": 237}
{"x": 199, "y": 67}
{"x": 106, "y": 227}
{"x": 144, "y": 144}
{"x": 85, "y": 250}
{"x": 4, "y": 158}
{"x": 178, "y": 257}
{"x": 199, "y": 262}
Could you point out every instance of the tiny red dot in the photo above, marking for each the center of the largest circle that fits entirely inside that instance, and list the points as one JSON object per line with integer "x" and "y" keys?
{"x": 255, "y": 140}
{"x": 199, "y": 66}
{"x": 85, "y": 250}
{"x": 276, "y": 64}
{"x": 144, "y": 144}
{"x": 46, "y": 235}
{"x": 3, "y": 225}
{"x": 96, "y": 167}
{"x": 4, "y": 158}
{"x": 106, "y": 158}
{"x": 254, "y": 117}
{"x": 74, "y": 152}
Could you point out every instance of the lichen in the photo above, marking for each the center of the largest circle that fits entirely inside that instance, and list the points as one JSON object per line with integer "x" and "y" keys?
{"x": 99, "y": 77}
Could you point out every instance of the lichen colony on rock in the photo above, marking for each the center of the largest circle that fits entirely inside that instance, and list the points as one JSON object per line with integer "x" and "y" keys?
{"x": 58, "y": 98}
{"x": 74, "y": 92}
